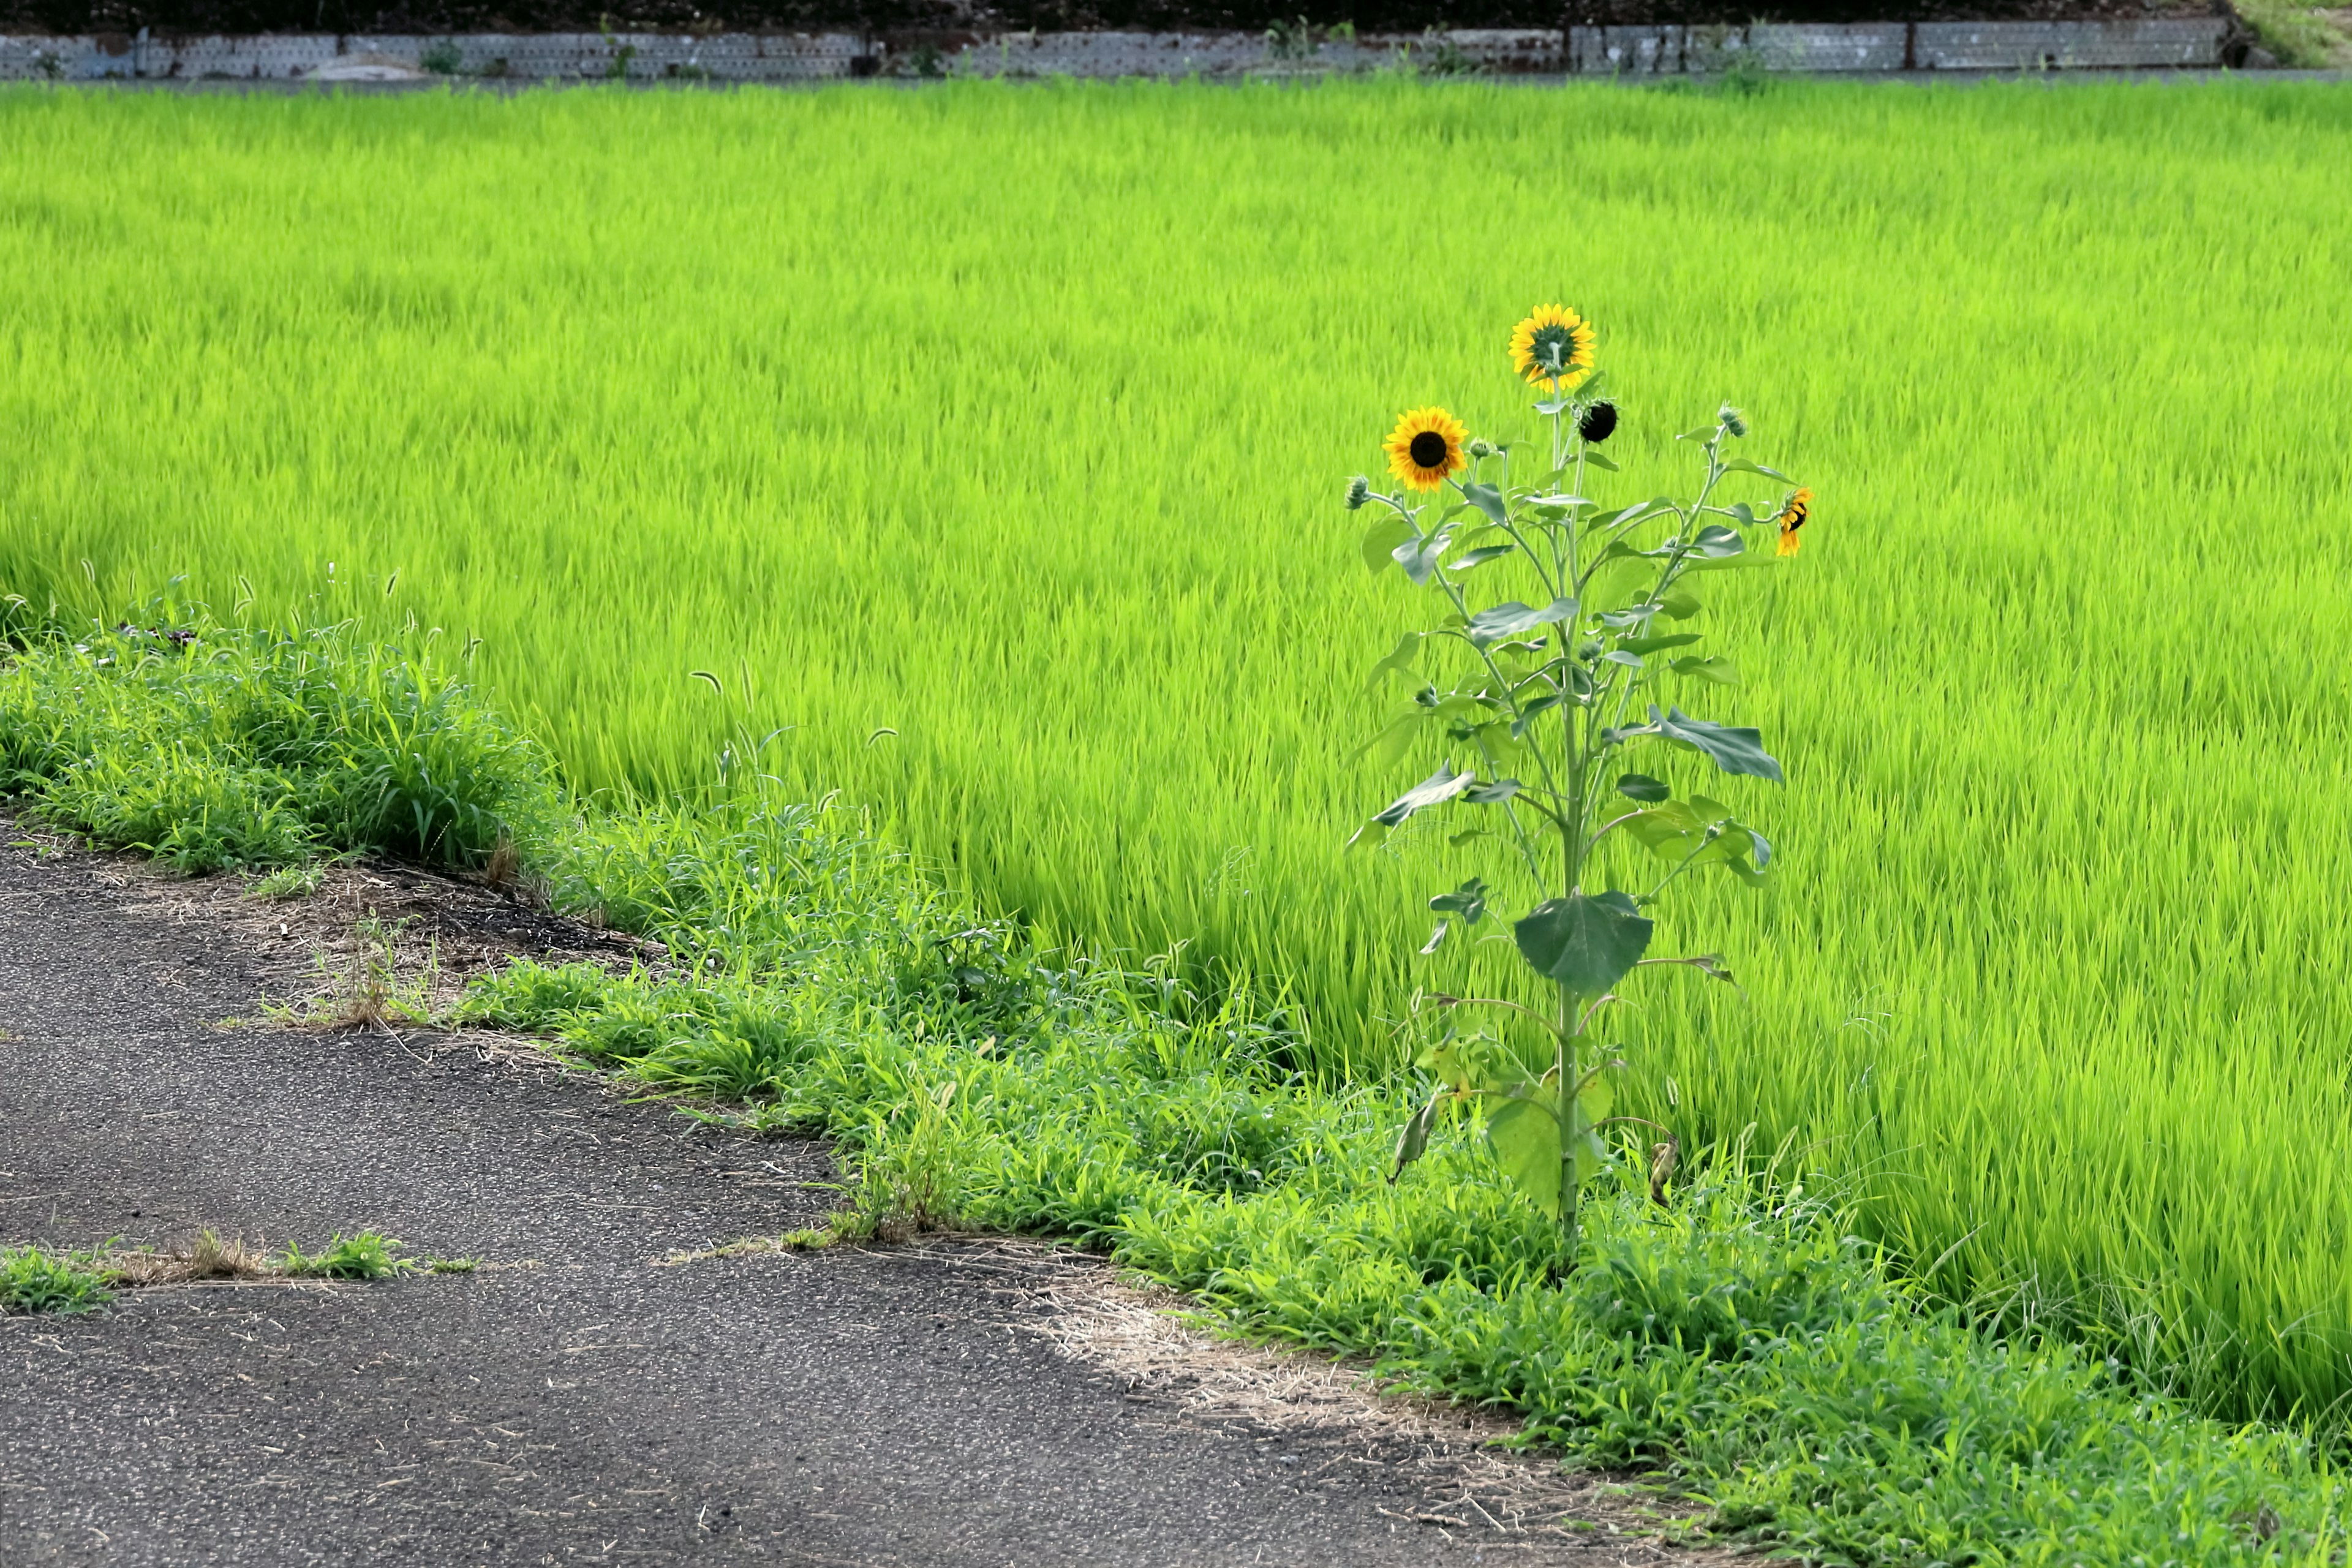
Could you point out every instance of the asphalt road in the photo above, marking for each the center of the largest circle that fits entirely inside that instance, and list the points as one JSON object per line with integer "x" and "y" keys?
{"x": 576, "y": 1399}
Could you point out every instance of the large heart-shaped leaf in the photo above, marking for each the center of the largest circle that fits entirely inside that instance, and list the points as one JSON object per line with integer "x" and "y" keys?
{"x": 1526, "y": 1138}
{"x": 1585, "y": 942}
{"x": 1381, "y": 539}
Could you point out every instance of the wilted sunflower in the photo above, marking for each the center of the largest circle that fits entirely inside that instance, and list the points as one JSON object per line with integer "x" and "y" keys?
{"x": 1554, "y": 344}
{"x": 1425, "y": 446}
{"x": 1793, "y": 513}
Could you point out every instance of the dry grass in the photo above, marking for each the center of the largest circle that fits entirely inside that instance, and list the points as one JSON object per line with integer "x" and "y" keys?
{"x": 207, "y": 1256}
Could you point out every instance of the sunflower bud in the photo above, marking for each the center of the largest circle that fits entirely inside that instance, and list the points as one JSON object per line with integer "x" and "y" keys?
{"x": 1481, "y": 447}
{"x": 1360, "y": 490}
{"x": 1733, "y": 420}
{"x": 1597, "y": 423}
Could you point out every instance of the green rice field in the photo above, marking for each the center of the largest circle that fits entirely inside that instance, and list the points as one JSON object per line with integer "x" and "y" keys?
{"x": 991, "y": 441}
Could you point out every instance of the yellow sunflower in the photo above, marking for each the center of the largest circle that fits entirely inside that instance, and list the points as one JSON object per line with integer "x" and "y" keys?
{"x": 1553, "y": 343}
{"x": 1425, "y": 446}
{"x": 1793, "y": 513}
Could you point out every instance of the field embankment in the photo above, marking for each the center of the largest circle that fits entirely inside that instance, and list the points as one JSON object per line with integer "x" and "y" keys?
{"x": 988, "y": 443}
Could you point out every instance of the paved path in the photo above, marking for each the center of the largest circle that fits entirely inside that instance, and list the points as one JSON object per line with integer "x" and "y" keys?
{"x": 837, "y": 1408}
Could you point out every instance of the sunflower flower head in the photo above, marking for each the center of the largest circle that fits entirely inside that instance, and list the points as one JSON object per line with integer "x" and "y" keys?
{"x": 1793, "y": 513}
{"x": 1426, "y": 449}
{"x": 1554, "y": 344}
{"x": 1597, "y": 423}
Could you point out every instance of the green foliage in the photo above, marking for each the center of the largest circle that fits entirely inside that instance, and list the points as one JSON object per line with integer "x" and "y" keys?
{"x": 206, "y": 746}
{"x": 34, "y": 1280}
{"x": 363, "y": 1255}
{"x": 2069, "y": 357}
{"x": 1537, "y": 699}
{"x": 1736, "y": 1337}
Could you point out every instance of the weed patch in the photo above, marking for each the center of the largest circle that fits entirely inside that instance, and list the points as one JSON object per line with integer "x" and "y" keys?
{"x": 34, "y": 1280}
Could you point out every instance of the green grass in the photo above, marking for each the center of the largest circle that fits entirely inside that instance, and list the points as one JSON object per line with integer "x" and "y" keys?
{"x": 1739, "y": 1342}
{"x": 363, "y": 1255}
{"x": 1012, "y": 421}
{"x": 34, "y": 1280}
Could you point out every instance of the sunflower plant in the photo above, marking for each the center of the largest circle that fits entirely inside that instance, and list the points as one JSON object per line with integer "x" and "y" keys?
{"x": 1557, "y": 676}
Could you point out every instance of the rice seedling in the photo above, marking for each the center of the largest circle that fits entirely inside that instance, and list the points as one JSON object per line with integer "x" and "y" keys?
{"x": 980, "y": 446}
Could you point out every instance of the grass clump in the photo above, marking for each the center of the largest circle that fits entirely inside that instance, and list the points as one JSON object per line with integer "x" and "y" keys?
{"x": 209, "y": 747}
{"x": 35, "y": 1280}
{"x": 363, "y": 1255}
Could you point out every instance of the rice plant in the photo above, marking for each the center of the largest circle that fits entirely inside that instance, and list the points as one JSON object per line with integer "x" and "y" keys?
{"x": 980, "y": 445}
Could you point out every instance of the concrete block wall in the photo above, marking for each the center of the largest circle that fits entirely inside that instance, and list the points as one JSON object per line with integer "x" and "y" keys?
{"x": 1874, "y": 46}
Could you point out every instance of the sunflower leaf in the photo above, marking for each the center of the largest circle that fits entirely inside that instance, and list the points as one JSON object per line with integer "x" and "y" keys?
{"x": 1400, "y": 659}
{"x": 1499, "y": 622}
{"x": 1419, "y": 555}
{"x": 1742, "y": 466}
{"x": 1488, "y": 499}
{"x": 1479, "y": 557}
{"x": 1605, "y": 465}
{"x": 1381, "y": 539}
{"x": 1435, "y": 790}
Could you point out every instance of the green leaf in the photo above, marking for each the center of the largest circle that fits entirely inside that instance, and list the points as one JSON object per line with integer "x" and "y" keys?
{"x": 1621, "y": 656}
{"x": 1419, "y": 555}
{"x": 1721, "y": 671}
{"x": 1413, "y": 1141}
{"x": 1583, "y": 942}
{"x": 1474, "y": 559}
{"x": 1528, "y": 714}
{"x": 1392, "y": 742}
{"x": 1381, "y": 539}
{"x": 1400, "y": 659}
{"x": 1679, "y": 605}
{"x": 1494, "y": 794}
{"x": 1488, "y": 499}
{"x": 1716, "y": 542}
{"x": 1735, "y": 749}
{"x": 1641, "y": 786}
{"x": 1658, "y": 644}
{"x": 1434, "y": 938}
{"x": 1435, "y": 790}
{"x": 1742, "y": 466}
{"x": 1525, "y": 1135}
{"x": 1499, "y": 622}
{"x": 1468, "y": 901}
{"x": 1606, "y": 465}
{"x": 1703, "y": 433}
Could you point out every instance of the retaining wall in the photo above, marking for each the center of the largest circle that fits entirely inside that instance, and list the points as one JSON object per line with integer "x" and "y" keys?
{"x": 1876, "y": 47}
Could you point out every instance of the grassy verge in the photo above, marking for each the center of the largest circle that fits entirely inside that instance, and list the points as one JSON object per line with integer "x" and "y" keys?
{"x": 1735, "y": 1338}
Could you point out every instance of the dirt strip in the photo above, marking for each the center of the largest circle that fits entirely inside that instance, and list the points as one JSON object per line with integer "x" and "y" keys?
{"x": 584, "y": 1396}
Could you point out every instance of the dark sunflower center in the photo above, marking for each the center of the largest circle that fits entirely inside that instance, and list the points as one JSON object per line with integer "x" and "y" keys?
{"x": 1428, "y": 450}
{"x": 1554, "y": 347}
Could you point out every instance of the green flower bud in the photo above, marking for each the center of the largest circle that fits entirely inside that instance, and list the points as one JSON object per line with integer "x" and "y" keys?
{"x": 1481, "y": 447}
{"x": 1733, "y": 420}
{"x": 1360, "y": 490}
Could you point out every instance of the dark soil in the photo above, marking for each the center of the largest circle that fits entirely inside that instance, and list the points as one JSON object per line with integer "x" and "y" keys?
{"x": 584, "y": 1396}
